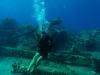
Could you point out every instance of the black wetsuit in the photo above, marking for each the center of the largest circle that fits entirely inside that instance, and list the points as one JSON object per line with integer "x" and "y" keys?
{"x": 45, "y": 45}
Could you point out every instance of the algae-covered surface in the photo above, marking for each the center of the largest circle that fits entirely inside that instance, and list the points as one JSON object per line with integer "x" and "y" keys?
{"x": 75, "y": 54}
{"x": 45, "y": 66}
{"x": 6, "y": 65}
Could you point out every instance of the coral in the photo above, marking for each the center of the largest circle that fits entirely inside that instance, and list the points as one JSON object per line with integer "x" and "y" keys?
{"x": 62, "y": 40}
{"x": 88, "y": 40}
{"x": 15, "y": 67}
{"x": 90, "y": 45}
{"x": 8, "y": 28}
{"x": 27, "y": 37}
{"x": 9, "y": 24}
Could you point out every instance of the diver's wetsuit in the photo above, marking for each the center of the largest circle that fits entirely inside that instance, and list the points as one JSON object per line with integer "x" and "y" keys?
{"x": 45, "y": 45}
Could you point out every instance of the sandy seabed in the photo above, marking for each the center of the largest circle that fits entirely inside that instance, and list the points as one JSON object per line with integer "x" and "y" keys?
{"x": 6, "y": 65}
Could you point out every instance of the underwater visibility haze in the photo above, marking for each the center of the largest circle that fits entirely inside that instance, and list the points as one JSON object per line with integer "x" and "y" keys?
{"x": 49, "y": 37}
{"x": 76, "y": 14}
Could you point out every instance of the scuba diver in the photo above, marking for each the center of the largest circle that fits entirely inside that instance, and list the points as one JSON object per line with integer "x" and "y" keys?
{"x": 45, "y": 45}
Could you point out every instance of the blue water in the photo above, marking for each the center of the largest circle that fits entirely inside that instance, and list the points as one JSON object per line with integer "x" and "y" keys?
{"x": 76, "y": 14}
